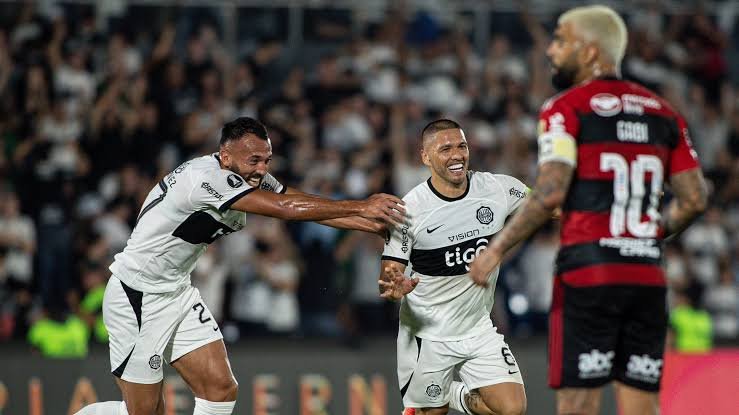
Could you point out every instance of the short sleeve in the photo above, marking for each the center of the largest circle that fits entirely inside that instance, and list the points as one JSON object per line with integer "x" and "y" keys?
{"x": 219, "y": 189}
{"x": 683, "y": 157}
{"x": 557, "y": 131}
{"x": 270, "y": 184}
{"x": 398, "y": 245}
{"x": 515, "y": 191}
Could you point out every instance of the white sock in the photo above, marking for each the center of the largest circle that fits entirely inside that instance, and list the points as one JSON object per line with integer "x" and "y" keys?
{"x": 459, "y": 391}
{"x": 104, "y": 408}
{"x": 203, "y": 407}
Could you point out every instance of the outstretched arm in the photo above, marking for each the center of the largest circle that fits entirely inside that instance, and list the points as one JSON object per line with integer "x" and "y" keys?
{"x": 380, "y": 206}
{"x": 356, "y": 223}
{"x": 548, "y": 194}
{"x": 691, "y": 199}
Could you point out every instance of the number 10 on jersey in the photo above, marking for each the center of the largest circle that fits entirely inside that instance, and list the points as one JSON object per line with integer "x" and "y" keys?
{"x": 629, "y": 189}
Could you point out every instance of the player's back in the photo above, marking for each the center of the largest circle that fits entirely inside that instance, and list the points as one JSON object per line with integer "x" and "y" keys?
{"x": 629, "y": 141}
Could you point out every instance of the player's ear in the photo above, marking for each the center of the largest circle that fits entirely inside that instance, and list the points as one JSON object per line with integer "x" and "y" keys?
{"x": 590, "y": 54}
{"x": 225, "y": 156}
{"x": 425, "y": 158}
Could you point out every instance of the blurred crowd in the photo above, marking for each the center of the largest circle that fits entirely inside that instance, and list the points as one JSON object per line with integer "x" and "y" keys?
{"x": 95, "y": 106}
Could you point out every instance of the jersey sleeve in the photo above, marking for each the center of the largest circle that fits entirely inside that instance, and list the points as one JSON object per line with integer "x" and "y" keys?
{"x": 515, "y": 191}
{"x": 557, "y": 130}
{"x": 218, "y": 189}
{"x": 270, "y": 184}
{"x": 399, "y": 242}
{"x": 683, "y": 157}
{"x": 398, "y": 245}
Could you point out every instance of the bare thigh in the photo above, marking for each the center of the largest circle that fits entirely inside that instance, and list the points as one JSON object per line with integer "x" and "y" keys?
{"x": 632, "y": 401}
{"x": 207, "y": 372}
{"x": 579, "y": 401}
{"x": 443, "y": 410}
{"x": 502, "y": 398}
{"x": 142, "y": 399}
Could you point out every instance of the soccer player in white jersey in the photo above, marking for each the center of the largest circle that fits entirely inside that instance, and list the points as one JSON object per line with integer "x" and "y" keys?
{"x": 445, "y": 323}
{"x": 151, "y": 311}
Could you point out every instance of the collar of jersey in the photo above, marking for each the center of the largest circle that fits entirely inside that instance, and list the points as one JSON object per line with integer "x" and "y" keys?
{"x": 609, "y": 77}
{"x": 450, "y": 199}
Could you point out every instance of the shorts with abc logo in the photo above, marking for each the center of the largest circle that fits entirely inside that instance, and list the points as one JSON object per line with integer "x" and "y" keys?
{"x": 145, "y": 329}
{"x": 426, "y": 367}
{"x": 602, "y": 333}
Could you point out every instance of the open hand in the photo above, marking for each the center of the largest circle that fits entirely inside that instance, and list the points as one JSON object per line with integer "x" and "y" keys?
{"x": 384, "y": 207}
{"x": 395, "y": 285}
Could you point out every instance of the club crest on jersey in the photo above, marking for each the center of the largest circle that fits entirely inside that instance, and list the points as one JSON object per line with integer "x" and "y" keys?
{"x": 235, "y": 181}
{"x": 433, "y": 391}
{"x": 155, "y": 362}
{"x": 484, "y": 215}
{"x": 605, "y": 105}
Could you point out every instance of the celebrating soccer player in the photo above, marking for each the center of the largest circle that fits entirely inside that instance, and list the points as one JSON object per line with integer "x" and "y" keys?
{"x": 151, "y": 311}
{"x": 445, "y": 320}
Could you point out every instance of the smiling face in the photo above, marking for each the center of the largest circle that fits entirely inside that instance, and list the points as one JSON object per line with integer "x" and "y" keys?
{"x": 447, "y": 155}
{"x": 249, "y": 157}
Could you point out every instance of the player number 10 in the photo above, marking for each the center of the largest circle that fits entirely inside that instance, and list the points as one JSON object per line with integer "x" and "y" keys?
{"x": 628, "y": 192}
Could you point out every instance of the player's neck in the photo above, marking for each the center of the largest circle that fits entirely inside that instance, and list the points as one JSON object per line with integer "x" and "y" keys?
{"x": 447, "y": 189}
{"x": 598, "y": 70}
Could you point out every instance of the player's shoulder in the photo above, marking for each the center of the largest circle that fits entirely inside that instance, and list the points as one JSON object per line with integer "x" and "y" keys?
{"x": 645, "y": 97}
{"x": 488, "y": 176}
{"x": 417, "y": 195}
{"x": 206, "y": 164}
{"x": 568, "y": 97}
{"x": 496, "y": 180}
{"x": 208, "y": 167}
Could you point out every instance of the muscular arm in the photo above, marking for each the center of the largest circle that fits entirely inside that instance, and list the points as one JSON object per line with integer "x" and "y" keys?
{"x": 307, "y": 207}
{"x": 691, "y": 199}
{"x": 547, "y": 196}
{"x": 356, "y": 223}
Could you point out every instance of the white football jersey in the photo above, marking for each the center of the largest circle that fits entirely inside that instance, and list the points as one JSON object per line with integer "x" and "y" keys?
{"x": 442, "y": 238}
{"x": 185, "y": 212}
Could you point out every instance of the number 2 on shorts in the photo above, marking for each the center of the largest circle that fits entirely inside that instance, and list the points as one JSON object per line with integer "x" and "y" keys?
{"x": 200, "y": 316}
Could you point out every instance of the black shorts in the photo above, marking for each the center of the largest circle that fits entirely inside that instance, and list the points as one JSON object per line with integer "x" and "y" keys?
{"x": 601, "y": 333}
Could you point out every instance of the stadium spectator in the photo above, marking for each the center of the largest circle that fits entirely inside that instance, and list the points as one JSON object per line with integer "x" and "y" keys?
{"x": 59, "y": 334}
{"x": 18, "y": 244}
{"x": 94, "y": 278}
{"x": 690, "y": 330}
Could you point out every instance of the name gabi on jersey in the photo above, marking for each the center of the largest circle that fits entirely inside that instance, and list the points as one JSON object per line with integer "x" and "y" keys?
{"x": 213, "y": 192}
{"x": 647, "y": 248}
{"x": 634, "y": 132}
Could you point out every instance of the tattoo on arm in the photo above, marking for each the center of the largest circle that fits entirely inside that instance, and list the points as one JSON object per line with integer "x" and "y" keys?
{"x": 691, "y": 198}
{"x": 549, "y": 193}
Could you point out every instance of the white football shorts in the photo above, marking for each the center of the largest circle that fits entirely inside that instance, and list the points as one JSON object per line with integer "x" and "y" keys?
{"x": 426, "y": 367}
{"x": 144, "y": 329}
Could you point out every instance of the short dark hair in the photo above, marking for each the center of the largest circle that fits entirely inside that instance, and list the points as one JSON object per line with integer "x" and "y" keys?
{"x": 439, "y": 125}
{"x": 242, "y": 126}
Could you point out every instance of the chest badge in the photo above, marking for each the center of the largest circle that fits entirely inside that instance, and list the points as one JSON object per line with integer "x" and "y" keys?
{"x": 484, "y": 215}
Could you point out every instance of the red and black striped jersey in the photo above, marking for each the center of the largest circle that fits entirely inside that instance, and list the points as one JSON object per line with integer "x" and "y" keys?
{"x": 628, "y": 142}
